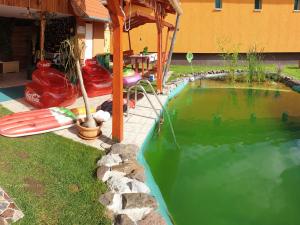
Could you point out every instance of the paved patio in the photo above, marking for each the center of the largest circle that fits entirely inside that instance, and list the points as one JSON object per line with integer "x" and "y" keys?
{"x": 136, "y": 126}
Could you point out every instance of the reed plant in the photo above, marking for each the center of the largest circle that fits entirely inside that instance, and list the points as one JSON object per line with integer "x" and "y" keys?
{"x": 256, "y": 67}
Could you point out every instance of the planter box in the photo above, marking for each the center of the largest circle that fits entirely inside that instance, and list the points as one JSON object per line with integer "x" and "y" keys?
{"x": 9, "y": 67}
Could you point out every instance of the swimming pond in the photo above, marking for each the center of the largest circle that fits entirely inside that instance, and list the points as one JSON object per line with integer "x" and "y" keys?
{"x": 239, "y": 156}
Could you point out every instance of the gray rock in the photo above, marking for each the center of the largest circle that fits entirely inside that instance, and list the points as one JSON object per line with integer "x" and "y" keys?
{"x": 153, "y": 218}
{"x": 132, "y": 170}
{"x": 110, "y": 160}
{"x": 127, "y": 152}
{"x": 138, "y": 200}
{"x": 106, "y": 198}
{"x": 138, "y": 175}
{"x": 101, "y": 171}
{"x": 117, "y": 148}
{"x": 123, "y": 219}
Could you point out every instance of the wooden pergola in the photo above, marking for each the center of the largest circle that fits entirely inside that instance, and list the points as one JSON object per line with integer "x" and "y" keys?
{"x": 139, "y": 19}
{"x": 116, "y": 11}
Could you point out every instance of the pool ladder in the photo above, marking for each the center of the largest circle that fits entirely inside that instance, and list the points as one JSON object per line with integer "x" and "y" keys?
{"x": 139, "y": 85}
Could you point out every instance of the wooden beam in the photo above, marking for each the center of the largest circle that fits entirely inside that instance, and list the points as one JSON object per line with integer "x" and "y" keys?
{"x": 159, "y": 53}
{"x": 166, "y": 46}
{"x": 117, "y": 25}
{"x": 42, "y": 36}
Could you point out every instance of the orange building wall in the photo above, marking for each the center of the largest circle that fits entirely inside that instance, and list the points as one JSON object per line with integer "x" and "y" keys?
{"x": 203, "y": 29}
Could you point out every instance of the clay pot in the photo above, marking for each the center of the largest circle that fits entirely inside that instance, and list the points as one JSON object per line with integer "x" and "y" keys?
{"x": 88, "y": 133}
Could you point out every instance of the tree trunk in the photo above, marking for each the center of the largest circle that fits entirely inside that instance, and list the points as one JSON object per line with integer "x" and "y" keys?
{"x": 90, "y": 121}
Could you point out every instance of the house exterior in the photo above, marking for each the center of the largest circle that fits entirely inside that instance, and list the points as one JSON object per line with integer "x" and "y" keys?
{"x": 207, "y": 27}
{"x": 88, "y": 18}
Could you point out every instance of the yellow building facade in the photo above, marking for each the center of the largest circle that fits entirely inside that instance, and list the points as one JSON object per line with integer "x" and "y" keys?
{"x": 205, "y": 29}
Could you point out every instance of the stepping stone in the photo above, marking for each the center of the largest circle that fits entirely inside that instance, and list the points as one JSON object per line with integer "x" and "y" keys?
{"x": 9, "y": 212}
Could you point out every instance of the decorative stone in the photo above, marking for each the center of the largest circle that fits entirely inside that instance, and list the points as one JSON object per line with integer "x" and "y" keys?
{"x": 132, "y": 170}
{"x": 106, "y": 198}
{"x": 101, "y": 172}
{"x": 119, "y": 184}
{"x": 109, "y": 160}
{"x": 109, "y": 174}
{"x": 3, "y": 206}
{"x": 123, "y": 220}
{"x": 7, "y": 213}
{"x": 138, "y": 200}
{"x": 117, "y": 148}
{"x": 17, "y": 215}
{"x": 12, "y": 206}
{"x": 127, "y": 152}
{"x": 138, "y": 175}
{"x": 3, "y": 221}
{"x": 153, "y": 218}
{"x": 138, "y": 187}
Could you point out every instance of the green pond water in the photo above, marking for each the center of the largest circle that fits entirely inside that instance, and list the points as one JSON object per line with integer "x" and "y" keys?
{"x": 239, "y": 162}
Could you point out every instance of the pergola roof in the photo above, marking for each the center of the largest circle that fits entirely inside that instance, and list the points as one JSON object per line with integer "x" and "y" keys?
{"x": 140, "y": 18}
{"x": 90, "y": 10}
{"x": 170, "y": 6}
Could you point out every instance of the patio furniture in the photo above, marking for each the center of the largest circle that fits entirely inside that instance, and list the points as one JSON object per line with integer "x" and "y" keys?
{"x": 126, "y": 57}
{"x": 136, "y": 60}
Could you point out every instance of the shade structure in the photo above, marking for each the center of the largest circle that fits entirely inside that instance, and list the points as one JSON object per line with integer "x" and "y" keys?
{"x": 90, "y": 10}
{"x": 116, "y": 11}
{"x": 168, "y": 6}
{"x": 140, "y": 18}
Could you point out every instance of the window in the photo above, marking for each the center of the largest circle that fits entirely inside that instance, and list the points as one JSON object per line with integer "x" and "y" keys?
{"x": 257, "y": 4}
{"x": 218, "y": 4}
{"x": 297, "y": 5}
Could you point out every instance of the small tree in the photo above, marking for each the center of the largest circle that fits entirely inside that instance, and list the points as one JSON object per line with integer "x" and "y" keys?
{"x": 70, "y": 53}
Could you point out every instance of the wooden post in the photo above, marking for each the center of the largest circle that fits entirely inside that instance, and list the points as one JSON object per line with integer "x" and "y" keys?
{"x": 42, "y": 35}
{"x": 117, "y": 24}
{"x": 159, "y": 52}
{"x": 166, "y": 46}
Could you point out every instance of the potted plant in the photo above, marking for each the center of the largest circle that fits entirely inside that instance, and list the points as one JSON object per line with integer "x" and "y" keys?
{"x": 70, "y": 54}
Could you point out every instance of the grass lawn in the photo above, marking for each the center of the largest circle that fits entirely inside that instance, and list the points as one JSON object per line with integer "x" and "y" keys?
{"x": 52, "y": 179}
{"x": 290, "y": 70}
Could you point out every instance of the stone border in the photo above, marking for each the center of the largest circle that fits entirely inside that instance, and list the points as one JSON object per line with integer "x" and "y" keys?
{"x": 282, "y": 78}
{"x": 128, "y": 201}
{"x": 9, "y": 212}
{"x": 289, "y": 82}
